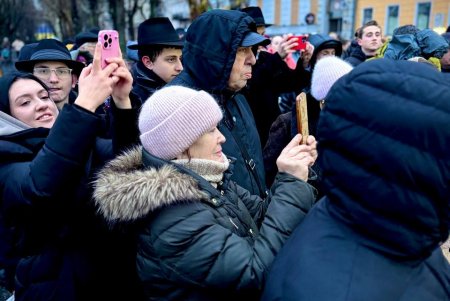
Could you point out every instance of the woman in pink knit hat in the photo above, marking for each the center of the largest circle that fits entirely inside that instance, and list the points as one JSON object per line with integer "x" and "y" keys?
{"x": 201, "y": 236}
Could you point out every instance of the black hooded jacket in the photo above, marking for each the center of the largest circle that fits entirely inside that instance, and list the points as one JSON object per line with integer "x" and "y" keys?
{"x": 208, "y": 57}
{"x": 383, "y": 149}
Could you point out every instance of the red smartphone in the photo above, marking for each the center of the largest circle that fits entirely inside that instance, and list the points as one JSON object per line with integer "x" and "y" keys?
{"x": 110, "y": 45}
{"x": 301, "y": 40}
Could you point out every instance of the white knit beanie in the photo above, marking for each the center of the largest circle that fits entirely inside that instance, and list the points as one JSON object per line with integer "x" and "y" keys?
{"x": 173, "y": 118}
{"x": 326, "y": 72}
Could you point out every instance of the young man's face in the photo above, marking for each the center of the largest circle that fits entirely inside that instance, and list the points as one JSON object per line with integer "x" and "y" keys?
{"x": 167, "y": 65}
{"x": 59, "y": 85}
{"x": 241, "y": 71}
{"x": 370, "y": 40}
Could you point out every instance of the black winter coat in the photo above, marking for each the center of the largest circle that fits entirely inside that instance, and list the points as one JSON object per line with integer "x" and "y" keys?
{"x": 383, "y": 150}
{"x": 145, "y": 82}
{"x": 356, "y": 56}
{"x": 283, "y": 129}
{"x": 66, "y": 252}
{"x": 207, "y": 61}
{"x": 198, "y": 242}
{"x": 270, "y": 77}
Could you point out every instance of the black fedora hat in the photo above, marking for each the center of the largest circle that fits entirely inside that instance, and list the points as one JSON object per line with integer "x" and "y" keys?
{"x": 26, "y": 51}
{"x": 256, "y": 13}
{"x": 49, "y": 50}
{"x": 85, "y": 37}
{"x": 157, "y": 31}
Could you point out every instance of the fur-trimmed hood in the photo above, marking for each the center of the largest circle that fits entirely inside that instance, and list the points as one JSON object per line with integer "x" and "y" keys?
{"x": 125, "y": 190}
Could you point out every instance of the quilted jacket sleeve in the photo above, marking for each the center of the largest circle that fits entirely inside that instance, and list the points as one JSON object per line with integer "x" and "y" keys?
{"x": 191, "y": 244}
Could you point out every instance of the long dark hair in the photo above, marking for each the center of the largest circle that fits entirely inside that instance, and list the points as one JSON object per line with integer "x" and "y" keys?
{"x": 6, "y": 83}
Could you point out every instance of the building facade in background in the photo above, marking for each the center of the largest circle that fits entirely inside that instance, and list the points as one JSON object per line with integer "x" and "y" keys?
{"x": 433, "y": 14}
{"x": 308, "y": 16}
{"x": 345, "y": 16}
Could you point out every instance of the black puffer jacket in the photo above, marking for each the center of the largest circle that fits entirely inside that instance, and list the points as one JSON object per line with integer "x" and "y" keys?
{"x": 383, "y": 149}
{"x": 198, "y": 242}
{"x": 208, "y": 57}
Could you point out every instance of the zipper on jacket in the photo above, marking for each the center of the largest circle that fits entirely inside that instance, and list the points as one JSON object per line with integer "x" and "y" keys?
{"x": 233, "y": 223}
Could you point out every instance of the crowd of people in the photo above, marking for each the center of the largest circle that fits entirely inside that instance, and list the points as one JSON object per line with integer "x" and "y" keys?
{"x": 185, "y": 176}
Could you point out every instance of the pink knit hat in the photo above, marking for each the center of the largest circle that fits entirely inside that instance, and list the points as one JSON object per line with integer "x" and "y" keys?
{"x": 173, "y": 118}
{"x": 326, "y": 72}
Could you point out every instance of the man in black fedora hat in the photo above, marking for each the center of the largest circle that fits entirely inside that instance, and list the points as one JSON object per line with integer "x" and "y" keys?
{"x": 257, "y": 15}
{"x": 159, "y": 51}
{"x": 51, "y": 62}
{"x": 84, "y": 47}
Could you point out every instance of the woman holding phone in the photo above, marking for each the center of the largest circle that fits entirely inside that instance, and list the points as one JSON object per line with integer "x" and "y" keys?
{"x": 58, "y": 249}
{"x": 201, "y": 236}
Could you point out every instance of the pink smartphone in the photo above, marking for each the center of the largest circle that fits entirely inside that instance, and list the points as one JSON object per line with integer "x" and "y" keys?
{"x": 110, "y": 45}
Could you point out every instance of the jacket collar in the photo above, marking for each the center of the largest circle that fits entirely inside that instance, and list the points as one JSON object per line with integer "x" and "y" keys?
{"x": 147, "y": 78}
{"x": 10, "y": 125}
{"x": 136, "y": 183}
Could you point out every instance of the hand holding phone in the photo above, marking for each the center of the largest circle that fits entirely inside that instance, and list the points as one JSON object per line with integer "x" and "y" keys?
{"x": 110, "y": 45}
{"x": 301, "y": 41}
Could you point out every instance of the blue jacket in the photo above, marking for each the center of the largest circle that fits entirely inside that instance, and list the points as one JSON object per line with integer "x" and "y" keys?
{"x": 426, "y": 43}
{"x": 383, "y": 148}
{"x": 208, "y": 56}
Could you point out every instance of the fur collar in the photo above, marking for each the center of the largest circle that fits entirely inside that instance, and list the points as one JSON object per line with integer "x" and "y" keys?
{"x": 125, "y": 191}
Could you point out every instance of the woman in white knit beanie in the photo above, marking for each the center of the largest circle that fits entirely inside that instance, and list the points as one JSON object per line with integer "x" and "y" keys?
{"x": 201, "y": 236}
{"x": 326, "y": 72}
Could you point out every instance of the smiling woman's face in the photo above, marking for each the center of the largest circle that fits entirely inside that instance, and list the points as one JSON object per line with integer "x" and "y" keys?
{"x": 30, "y": 103}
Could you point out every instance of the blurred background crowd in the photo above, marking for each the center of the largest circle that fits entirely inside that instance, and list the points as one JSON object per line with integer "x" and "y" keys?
{"x": 28, "y": 21}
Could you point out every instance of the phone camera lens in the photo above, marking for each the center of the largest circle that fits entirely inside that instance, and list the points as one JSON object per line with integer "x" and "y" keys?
{"x": 110, "y": 41}
{"x": 105, "y": 44}
{"x": 105, "y": 37}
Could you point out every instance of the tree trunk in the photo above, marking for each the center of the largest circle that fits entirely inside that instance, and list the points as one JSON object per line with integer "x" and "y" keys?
{"x": 197, "y": 7}
{"x": 117, "y": 12}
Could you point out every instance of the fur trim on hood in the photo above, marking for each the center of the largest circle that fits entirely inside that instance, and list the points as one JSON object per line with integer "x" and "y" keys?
{"x": 126, "y": 191}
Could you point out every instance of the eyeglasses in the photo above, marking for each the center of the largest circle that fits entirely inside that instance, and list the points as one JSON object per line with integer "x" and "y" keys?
{"x": 45, "y": 72}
